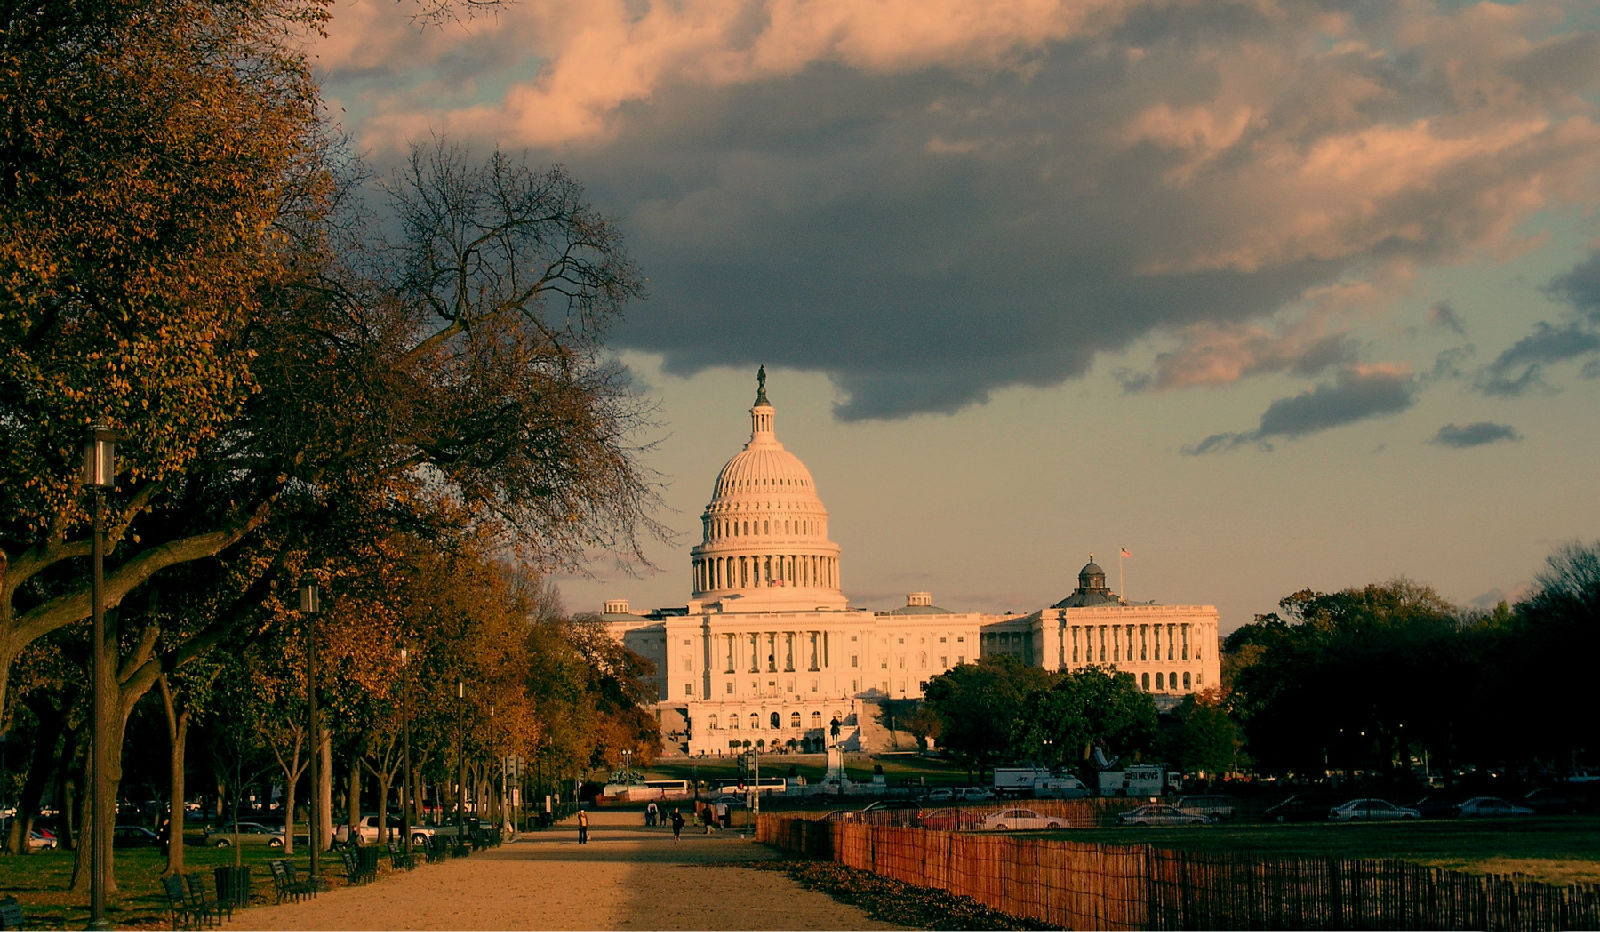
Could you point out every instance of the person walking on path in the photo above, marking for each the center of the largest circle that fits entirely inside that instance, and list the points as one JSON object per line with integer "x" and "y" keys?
{"x": 583, "y": 827}
{"x": 677, "y": 824}
{"x": 650, "y": 813}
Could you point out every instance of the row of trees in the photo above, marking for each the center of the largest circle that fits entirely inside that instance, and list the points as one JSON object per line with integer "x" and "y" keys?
{"x": 1000, "y": 710}
{"x": 395, "y": 386}
{"x": 1377, "y": 677}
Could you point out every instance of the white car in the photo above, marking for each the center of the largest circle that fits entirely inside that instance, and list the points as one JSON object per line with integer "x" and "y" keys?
{"x": 1490, "y": 806}
{"x": 941, "y": 794}
{"x": 368, "y": 830}
{"x": 1161, "y": 814}
{"x": 975, "y": 794}
{"x": 1371, "y": 810}
{"x": 1007, "y": 819}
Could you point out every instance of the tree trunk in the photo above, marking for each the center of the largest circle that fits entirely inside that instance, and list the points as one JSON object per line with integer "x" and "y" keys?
{"x": 324, "y": 790}
{"x": 175, "y": 796}
{"x": 177, "y": 752}
{"x": 353, "y": 795}
{"x": 50, "y": 751}
{"x": 289, "y": 781}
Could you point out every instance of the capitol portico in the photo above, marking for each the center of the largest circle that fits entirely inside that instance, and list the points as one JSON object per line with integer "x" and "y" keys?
{"x": 769, "y": 651}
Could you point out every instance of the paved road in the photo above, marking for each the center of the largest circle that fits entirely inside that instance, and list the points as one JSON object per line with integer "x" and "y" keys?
{"x": 627, "y": 877}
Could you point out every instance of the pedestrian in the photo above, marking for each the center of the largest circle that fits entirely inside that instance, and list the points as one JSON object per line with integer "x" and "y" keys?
{"x": 723, "y": 818}
{"x": 650, "y": 813}
{"x": 583, "y": 827}
{"x": 677, "y": 824}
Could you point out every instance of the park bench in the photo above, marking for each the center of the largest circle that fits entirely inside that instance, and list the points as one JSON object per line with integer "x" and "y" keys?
{"x": 433, "y": 849}
{"x": 203, "y": 907}
{"x": 399, "y": 857}
{"x": 286, "y": 884}
{"x": 360, "y": 863}
{"x": 11, "y": 914}
{"x": 177, "y": 902}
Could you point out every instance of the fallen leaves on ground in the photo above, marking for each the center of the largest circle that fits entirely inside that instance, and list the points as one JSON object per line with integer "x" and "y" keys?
{"x": 897, "y": 903}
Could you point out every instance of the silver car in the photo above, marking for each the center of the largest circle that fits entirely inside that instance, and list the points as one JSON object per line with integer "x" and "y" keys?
{"x": 1490, "y": 806}
{"x": 1159, "y": 814}
{"x": 250, "y": 833}
{"x": 1371, "y": 810}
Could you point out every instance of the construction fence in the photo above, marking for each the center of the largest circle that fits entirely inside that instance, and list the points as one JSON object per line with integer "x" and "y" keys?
{"x": 1075, "y": 885}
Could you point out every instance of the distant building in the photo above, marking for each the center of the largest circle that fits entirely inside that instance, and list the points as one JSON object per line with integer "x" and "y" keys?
{"x": 768, "y": 650}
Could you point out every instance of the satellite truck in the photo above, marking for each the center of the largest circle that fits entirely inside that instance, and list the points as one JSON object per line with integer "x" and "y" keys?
{"x": 1014, "y": 782}
{"x": 1147, "y": 781}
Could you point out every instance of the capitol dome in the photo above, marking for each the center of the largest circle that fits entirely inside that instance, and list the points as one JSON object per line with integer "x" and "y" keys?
{"x": 764, "y": 544}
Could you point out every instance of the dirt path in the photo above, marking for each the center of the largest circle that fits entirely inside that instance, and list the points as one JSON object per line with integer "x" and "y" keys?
{"x": 627, "y": 877}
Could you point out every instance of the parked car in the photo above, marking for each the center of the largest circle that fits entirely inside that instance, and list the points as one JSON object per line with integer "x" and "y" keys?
{"x": 731, "y": 801}
{"x": 975, "y": 794}
{"x": 368, "y": 830}
{"x": 41, "y": 840}
{"x": 1438, "y": 806}
{"x": 1490, "y": 807}
{"x": 1302, "y": 807}
{"x": 1007, "y": 819}
{"x": 946, "y": 820}
{"x": 250, "y": 833}
{"x": 884, "y": 805}
{"x": 1561, "y": 800}
{"x": 135, "y": 836}
{"x": 942, "y": 794}
{"x": 843, "y": 815}
{"x": 1371, "y": 810}
{"x": 1161, "y": 814}
{"x": 1214, "y": 807}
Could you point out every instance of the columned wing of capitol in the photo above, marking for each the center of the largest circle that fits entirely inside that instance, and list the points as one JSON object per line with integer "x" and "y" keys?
{"x": 768, "y": 650}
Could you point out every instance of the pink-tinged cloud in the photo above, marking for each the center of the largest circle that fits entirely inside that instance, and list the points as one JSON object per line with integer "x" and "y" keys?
{"x": 1224, "y": 353}
{"x": 599, "y": 55}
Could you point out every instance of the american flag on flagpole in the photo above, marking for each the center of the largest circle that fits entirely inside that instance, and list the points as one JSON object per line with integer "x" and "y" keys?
{"x": 1126, "y": 553}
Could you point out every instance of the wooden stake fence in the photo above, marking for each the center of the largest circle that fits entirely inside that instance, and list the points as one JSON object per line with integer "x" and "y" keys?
{"x": 1074, "y": 885}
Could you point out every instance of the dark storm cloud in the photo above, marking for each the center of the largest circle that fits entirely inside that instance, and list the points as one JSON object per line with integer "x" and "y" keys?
{"x": 1356, "y": 395}
{"x": 1475, "y": 434}
{"x": 1520, "y": 368}
{"x": 929, "y": 215}
{"x": 925, "y": 239}
{"x": 1580, "y": 287}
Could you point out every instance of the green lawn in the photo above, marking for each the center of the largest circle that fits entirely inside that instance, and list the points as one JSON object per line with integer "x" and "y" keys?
{"x": 1554, "y": 849}
{"x": 40, "y": 881}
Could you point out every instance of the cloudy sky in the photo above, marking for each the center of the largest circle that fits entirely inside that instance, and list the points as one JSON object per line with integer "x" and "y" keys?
{"x": 1274, "y": 294}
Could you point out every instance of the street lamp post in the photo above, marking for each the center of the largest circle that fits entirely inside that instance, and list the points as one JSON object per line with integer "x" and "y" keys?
{"x": 461, "y": 764}
{"x": 99, "y": 473}
{"x": 310, "y": 604}
{"x": 405, "y": 755}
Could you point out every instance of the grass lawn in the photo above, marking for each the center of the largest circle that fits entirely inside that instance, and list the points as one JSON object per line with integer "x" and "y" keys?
{"x": 40, "y": 882}
{"x": 1554, "y": 849}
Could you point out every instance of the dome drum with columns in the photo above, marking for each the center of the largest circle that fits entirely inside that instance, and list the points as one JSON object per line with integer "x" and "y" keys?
{"x": 765, "y": 543}
{"x": 768, "y": 650}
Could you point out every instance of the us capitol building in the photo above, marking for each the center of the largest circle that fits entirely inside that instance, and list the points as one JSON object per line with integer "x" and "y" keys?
{"x": 769, "y": 651}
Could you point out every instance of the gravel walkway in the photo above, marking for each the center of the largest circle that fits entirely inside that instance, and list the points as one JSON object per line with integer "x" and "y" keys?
{"x": 627, "y": 877}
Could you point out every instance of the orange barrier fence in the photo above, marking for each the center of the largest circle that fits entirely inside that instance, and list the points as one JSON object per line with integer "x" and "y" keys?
{"x": 1075, "y": 885}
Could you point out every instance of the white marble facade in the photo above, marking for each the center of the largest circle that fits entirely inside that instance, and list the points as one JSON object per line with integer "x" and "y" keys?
{"x": 768, "y": 649}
